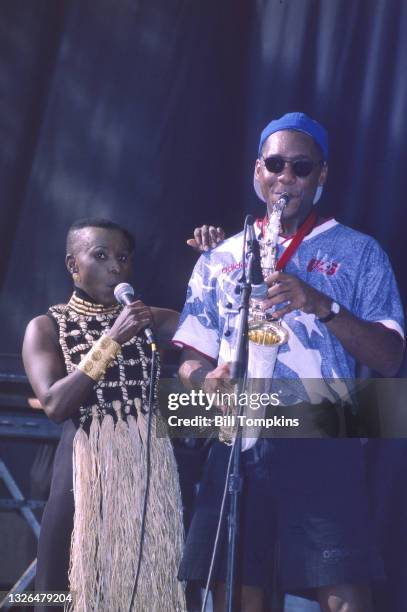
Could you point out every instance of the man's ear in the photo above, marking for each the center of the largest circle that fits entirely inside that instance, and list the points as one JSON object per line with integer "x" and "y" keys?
{"x": 257, "y": 167}
{"x": 323, "y": 175}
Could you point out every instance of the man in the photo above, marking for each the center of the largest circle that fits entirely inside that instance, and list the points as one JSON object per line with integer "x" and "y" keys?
{"x": 338, "y": 299}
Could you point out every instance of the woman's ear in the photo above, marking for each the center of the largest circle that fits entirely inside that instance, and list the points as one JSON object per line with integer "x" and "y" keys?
{"x": 71, "y": 264}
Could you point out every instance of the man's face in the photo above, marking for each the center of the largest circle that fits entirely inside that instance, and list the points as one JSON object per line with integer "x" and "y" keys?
{"x": 291, "y": 145}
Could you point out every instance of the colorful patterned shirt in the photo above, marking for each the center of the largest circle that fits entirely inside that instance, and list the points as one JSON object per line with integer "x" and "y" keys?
{"x": 348, "y": 266}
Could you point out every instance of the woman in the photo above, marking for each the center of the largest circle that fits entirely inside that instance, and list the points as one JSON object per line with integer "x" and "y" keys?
{"x": 89, "y": 364}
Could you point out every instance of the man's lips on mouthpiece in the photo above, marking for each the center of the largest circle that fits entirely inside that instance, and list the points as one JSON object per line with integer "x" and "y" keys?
{"x": 290, "y": 195}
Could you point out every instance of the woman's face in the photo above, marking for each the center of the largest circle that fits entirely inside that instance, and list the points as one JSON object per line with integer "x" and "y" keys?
{"x": 102, "y": 259}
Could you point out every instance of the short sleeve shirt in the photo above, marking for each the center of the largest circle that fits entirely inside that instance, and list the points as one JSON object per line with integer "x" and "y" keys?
{"x": 348, "y": 266}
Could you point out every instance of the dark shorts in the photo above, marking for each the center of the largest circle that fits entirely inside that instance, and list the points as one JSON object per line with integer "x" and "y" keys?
{"x": 304, "y": 518}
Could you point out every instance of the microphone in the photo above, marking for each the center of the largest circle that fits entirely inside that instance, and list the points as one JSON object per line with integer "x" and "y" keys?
{"x": 259, "y": 286}
{"x": 124, "y": 294}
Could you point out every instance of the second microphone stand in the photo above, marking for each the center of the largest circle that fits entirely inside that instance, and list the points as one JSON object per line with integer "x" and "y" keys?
{"x": 239, "y": 374}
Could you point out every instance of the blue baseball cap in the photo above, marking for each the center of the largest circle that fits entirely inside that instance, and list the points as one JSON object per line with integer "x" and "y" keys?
{"x": 300, "y": 122}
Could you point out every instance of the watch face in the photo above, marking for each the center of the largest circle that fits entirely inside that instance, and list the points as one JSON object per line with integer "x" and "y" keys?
{"x": 335, "y": 308}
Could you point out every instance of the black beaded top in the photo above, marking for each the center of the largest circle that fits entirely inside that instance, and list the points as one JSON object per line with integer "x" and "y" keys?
{"x": 127, "y": 379}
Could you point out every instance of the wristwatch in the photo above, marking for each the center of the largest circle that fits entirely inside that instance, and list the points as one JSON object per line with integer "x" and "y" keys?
{"x": 334, "y": 310}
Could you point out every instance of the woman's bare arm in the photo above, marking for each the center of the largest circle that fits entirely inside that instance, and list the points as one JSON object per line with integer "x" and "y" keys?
{"x": 60, "y": 394}
{"x": 165, "y": 325}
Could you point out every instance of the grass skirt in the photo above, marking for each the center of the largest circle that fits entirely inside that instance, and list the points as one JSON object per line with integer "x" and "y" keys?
{"x": 109, "y": 468}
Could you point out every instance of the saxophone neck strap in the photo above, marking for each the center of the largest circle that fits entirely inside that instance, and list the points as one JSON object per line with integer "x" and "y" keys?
{"x": 298, "y": 237}
{"x": 296, "y": 240}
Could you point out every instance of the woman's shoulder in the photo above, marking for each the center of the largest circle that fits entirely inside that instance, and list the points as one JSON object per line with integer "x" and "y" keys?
{"x": 43, "y": 326}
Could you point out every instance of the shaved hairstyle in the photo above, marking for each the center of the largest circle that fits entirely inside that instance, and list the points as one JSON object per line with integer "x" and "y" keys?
{"x": 73, "y": 236}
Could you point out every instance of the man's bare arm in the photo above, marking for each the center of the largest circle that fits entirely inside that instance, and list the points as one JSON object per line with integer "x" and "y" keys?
{"x": 199, "y": 372}
{"x": 372, "y": 344}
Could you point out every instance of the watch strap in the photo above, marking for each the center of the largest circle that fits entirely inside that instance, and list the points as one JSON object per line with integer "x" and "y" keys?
{"x": 331, "y": 314}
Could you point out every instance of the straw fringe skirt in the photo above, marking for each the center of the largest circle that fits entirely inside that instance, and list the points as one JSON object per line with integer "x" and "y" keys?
{"x": 109, "y": 479}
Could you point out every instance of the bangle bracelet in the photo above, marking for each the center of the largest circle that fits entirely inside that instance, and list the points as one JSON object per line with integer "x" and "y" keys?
{"x": 94, "y": 363}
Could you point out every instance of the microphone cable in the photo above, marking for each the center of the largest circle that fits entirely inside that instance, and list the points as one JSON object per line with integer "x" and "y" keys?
{"x": 148, "y": 469}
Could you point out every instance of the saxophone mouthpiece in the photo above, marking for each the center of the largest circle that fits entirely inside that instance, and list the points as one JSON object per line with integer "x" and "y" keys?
{"x": 283, "y": 199}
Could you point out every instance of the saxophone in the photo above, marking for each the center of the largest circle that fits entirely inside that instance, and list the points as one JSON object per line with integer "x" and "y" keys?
{"x": 265, "y": 336}
{"x": 263, "y": 329}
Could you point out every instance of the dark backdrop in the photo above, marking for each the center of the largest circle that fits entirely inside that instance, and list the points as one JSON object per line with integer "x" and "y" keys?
{"x": 149, "y": 112}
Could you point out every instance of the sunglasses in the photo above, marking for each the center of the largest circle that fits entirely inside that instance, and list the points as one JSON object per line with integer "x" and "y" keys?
{"x": 301, "y": 167}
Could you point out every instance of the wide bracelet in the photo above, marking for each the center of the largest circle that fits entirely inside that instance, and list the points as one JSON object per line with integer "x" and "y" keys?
{"x": 95, "y": 362}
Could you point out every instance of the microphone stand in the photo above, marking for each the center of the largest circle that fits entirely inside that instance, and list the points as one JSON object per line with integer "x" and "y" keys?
{"x": 239, "y": 373}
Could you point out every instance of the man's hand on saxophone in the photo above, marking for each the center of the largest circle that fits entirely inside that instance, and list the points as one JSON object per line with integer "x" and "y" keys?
{"x": 369, "y": 342}
{"x": 296, "y": 295}
{"x": 218, "y": 381}
{"x": 198, "y": 372}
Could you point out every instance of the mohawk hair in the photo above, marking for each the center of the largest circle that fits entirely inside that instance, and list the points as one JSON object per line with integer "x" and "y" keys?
{"x": 96, "y": 222}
